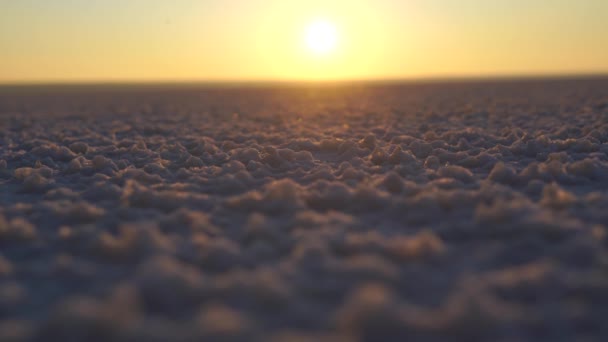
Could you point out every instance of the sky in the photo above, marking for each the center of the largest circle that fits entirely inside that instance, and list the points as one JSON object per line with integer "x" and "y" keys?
{"x": 260, "y": 40}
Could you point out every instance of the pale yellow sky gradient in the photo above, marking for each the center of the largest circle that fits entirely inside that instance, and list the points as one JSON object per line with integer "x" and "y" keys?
{"x": 240, "y": 40}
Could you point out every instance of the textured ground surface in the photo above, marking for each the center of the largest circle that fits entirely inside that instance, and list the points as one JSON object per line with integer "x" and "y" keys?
{"x": 435, "y": 212}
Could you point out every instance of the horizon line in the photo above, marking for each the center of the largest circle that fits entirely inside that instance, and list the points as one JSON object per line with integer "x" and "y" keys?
{"x": 261, "y": 82}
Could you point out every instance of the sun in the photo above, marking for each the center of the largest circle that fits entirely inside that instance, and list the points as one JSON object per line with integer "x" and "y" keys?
{"x": 321, "y": 37}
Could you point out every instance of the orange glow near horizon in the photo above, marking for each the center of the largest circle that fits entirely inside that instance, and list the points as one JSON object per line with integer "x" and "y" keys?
{"x": 240, "y": 40}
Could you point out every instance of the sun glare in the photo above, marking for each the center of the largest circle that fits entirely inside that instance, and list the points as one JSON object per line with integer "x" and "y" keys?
{"x": 321, "y": 37}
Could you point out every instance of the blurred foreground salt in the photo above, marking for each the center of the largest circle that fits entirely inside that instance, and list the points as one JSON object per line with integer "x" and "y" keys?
{"x": 383, "y": 212}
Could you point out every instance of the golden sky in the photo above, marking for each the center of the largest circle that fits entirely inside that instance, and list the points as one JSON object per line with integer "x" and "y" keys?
{"x": 241, "y": 40}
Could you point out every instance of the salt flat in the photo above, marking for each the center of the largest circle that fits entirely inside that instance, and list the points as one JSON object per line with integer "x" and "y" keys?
{"x": 378, "y": 212}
